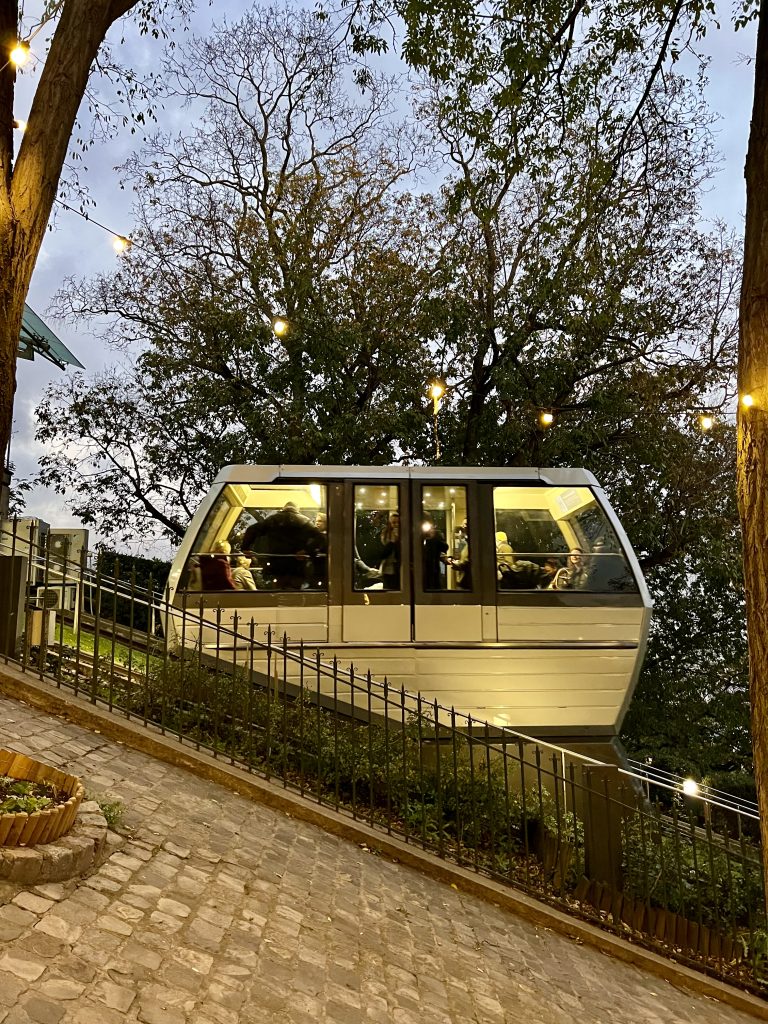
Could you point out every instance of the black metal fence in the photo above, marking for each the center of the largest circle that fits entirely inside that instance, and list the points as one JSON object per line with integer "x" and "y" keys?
{"x": 681, "y": 874}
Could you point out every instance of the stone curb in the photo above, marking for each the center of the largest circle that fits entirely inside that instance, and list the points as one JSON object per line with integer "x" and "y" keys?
{"x": 84, "y": 847}
{"x": 54, "y": 701}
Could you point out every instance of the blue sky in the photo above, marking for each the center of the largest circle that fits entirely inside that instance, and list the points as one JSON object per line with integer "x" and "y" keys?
{"x": 76, "y": 247}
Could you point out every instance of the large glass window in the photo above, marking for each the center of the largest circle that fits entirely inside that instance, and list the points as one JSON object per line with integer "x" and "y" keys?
{"x": 263, "y": 537}
{"x": 377, "y": 554}
{"x": 556, "y": 538}
{"x": 445, "y": 545}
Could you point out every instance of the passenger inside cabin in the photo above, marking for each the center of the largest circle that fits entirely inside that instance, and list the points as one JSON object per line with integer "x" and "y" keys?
{"x": 435, "y": 556}
{"x": 285, "y": 542}
{"x": 460, "y": 560}
{"x": 215, "y": 568}
{"x": 575, "y": 574}
{"x": 504, "y": 552}
{"x": 390, "y": 553}
{"x": 515, "y": 573}
{"x": 318, "y": 569}
{"x": 242, "y": 576}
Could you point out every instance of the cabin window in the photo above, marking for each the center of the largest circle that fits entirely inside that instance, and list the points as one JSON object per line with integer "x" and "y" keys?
{"x": 263, "y": 537}
{"x": 556, "y": 538}
{"x": 444, "y": 539}
{"x": 377, "y": 550}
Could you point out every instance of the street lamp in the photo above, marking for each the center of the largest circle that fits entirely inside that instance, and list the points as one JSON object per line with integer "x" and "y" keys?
{"x": 436, "y": 391}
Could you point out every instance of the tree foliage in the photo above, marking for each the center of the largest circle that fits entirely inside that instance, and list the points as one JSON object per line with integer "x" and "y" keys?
{"x": 556, "y": 261}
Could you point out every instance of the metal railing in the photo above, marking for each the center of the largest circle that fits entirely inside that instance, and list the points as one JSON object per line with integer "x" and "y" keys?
{"x": 680, "y": 874}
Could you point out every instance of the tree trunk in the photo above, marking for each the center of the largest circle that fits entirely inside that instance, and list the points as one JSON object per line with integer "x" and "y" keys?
{"x": 28, "y": 186}
{"x": 752, "y": 468}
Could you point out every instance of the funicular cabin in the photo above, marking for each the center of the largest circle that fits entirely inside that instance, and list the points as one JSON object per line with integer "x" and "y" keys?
{"x": 512, "y": 595}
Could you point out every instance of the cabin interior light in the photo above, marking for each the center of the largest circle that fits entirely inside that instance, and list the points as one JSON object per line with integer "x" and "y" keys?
{"x": 19, "y": 55}
{"x": 747, "y": 401}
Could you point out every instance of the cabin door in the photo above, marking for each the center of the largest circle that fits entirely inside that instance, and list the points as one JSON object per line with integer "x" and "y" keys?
{"x": 377, "y": 588}
{"x": 448, "y": 563}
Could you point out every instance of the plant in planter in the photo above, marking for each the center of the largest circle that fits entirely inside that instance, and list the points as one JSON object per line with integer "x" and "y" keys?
{"x": 37, "y": 803}
{"x": 18, "y": 795}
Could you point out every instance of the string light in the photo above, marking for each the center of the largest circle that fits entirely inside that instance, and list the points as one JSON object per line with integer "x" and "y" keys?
{"x": 120, "y": 243}
{"x": 19, "y": 55}
{"x": 747, "y": 401}
{"x": 546, "y": 418}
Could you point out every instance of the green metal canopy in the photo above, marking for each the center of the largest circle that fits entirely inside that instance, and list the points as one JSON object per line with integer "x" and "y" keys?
{"x": 37, "y": 337}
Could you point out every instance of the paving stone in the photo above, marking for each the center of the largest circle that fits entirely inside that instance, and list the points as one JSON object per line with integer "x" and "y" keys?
{"x": 117, "y": 997}
{"x": 151, "y": 1012}
{"x": 35, "y": 904}
{"x": 61, "y": 988}
{"x": 173, "y": 907}
{"x": 53, "y": 890}
{"x": 26, "y": 968}
{"x": 11, "y": 987}
{"x": 56, "y": 926}
{"x": 178, "y": 851}
{"x": 13, "y": 914}
{"x": 42, "y": 1010}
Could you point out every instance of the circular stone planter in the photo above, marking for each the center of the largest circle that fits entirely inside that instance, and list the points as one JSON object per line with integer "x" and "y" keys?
{"x": 42, "y": 826}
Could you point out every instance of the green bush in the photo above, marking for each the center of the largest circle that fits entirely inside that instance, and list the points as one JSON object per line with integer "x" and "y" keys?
{"x": 671, "y": 863}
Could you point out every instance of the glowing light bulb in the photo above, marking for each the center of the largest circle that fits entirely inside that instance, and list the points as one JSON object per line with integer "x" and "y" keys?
{"x": 747, "y": 401}
{"x": 19, "y": 55}
{"x": 546, "y": 419}
{"x": 690, "y": 787}
{"x": 706, "y": 421}
{"x": 121, "y": 244}
{"x": 19, "y": 125}
{"x": 436, "y": 390}
{"x": 280, "y": 326}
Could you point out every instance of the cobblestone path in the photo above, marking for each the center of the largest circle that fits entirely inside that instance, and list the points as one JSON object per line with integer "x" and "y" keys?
{"x": 221, "y": 911}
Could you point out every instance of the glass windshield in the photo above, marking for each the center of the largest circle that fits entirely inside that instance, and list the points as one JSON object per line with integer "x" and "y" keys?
{"x": 556, "y": 538}
{"x": 262, "y": 537}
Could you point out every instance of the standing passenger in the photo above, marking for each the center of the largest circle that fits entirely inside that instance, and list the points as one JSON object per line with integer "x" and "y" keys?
{"x": 390, "y": 553}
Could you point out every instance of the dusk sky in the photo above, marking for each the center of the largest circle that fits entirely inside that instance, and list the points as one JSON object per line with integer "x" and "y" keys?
{"x": 77, "y": 247}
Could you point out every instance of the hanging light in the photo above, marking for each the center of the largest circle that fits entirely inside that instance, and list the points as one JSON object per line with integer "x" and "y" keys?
{"x": 546, "y": 418}
{"x": 747, "y": 401}
{"x": 706, "y": 421}
{"x": 280, "y": 326}
{"x": 19, "y": 55}
{"x": 120, "y": 243}
{"x": 19, "y": 125}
